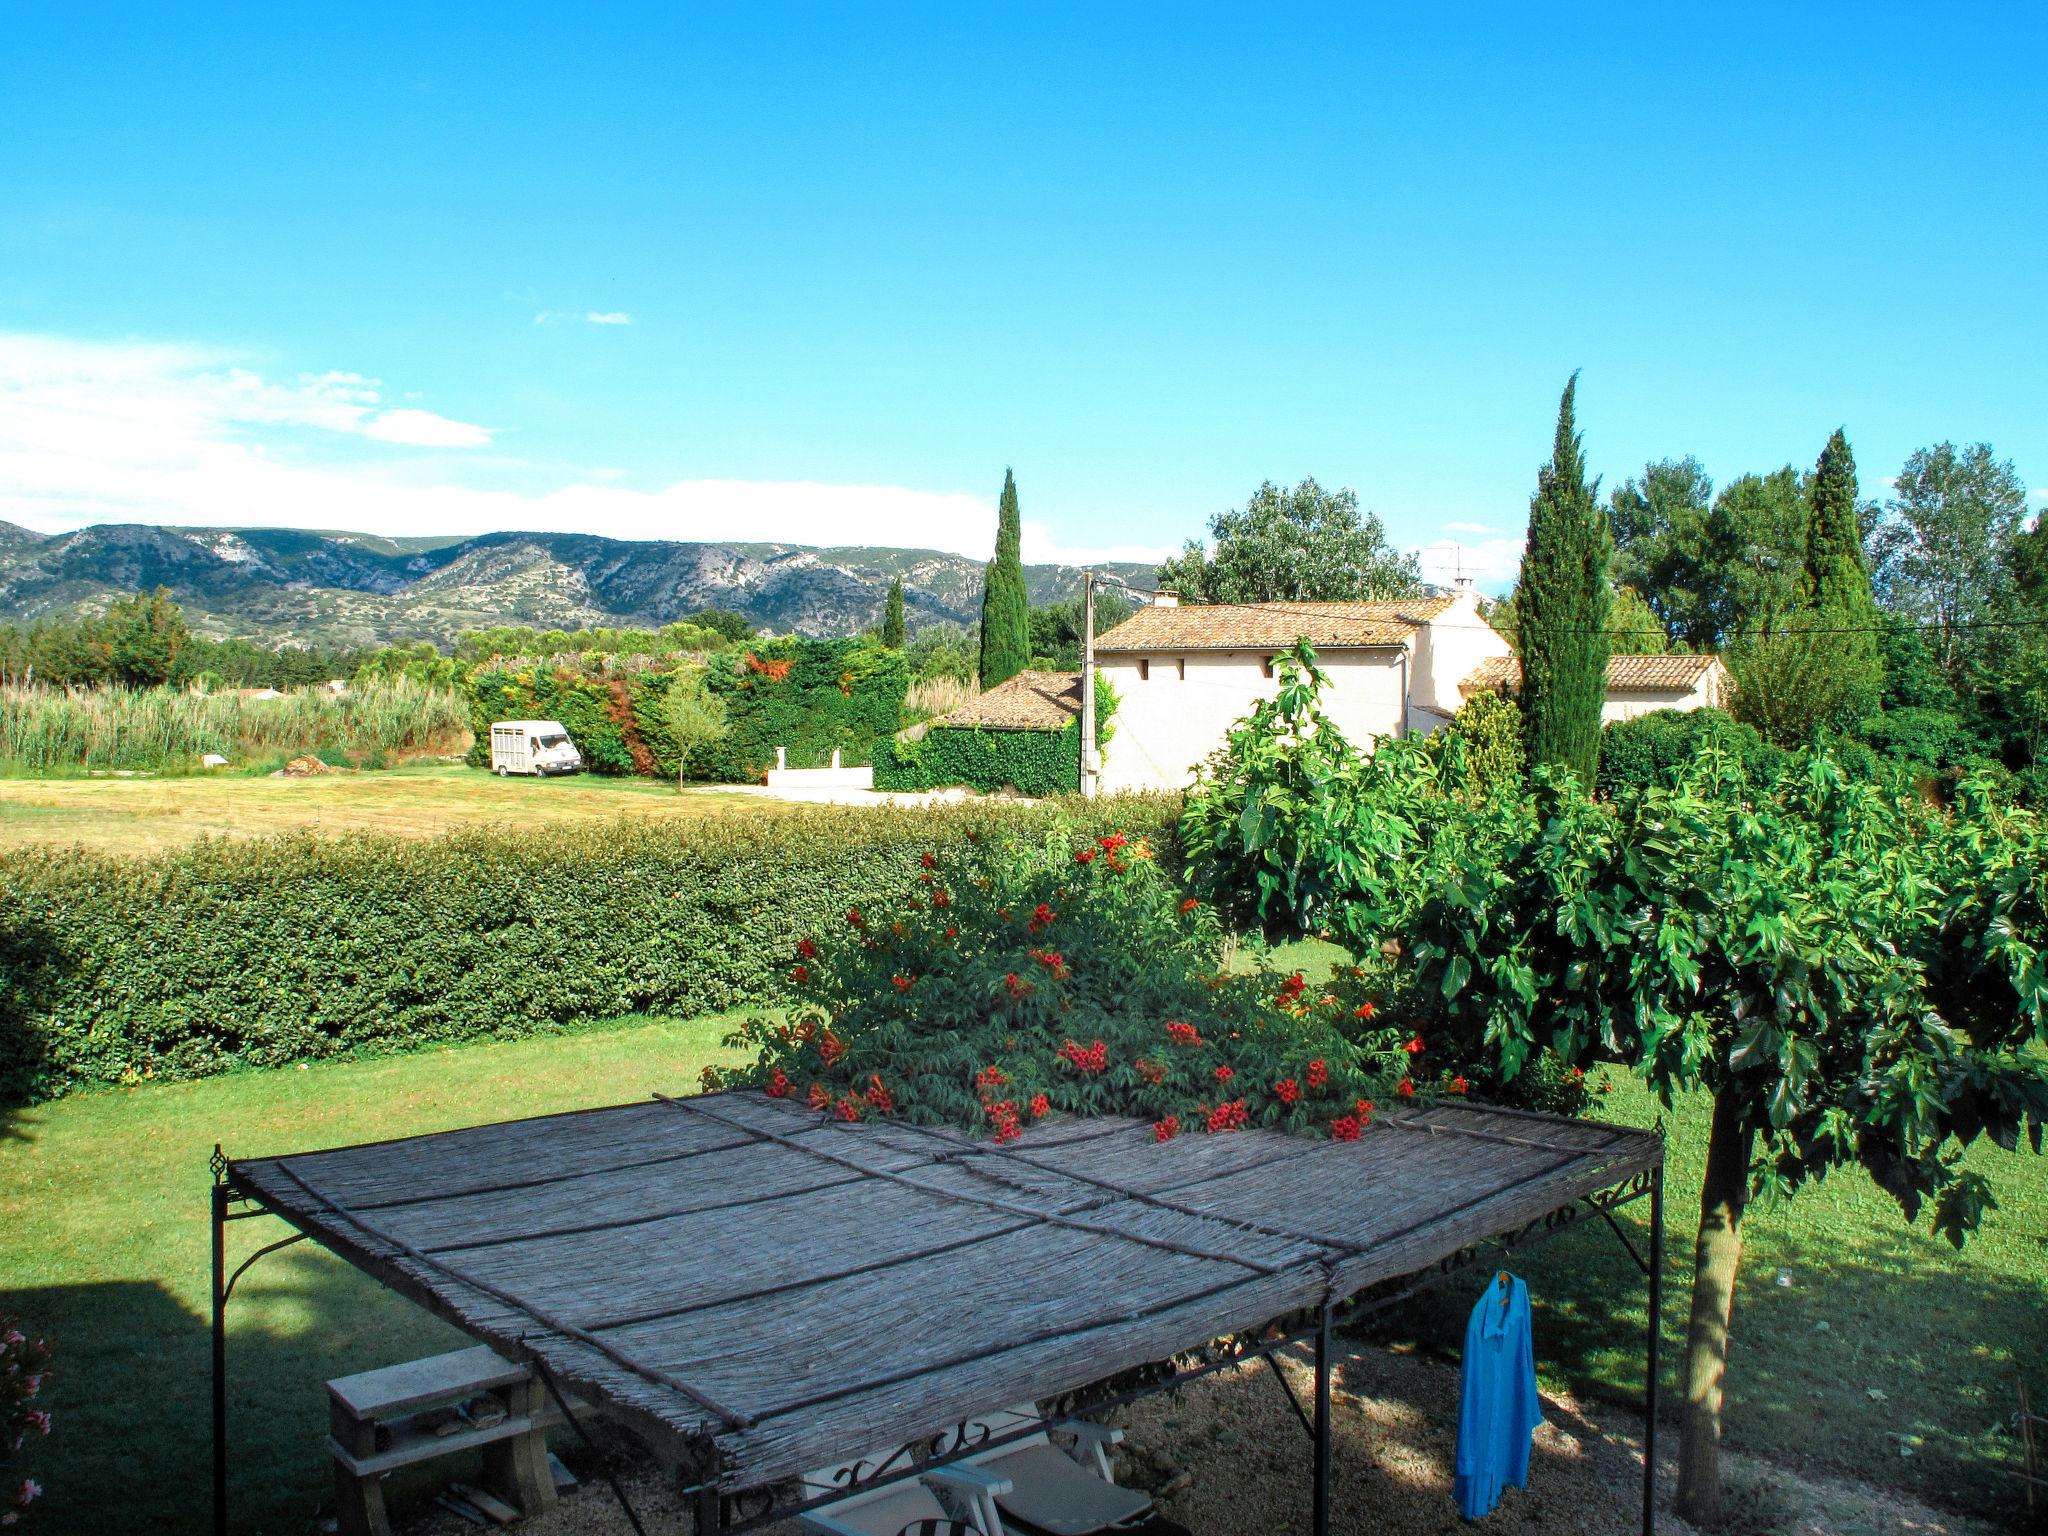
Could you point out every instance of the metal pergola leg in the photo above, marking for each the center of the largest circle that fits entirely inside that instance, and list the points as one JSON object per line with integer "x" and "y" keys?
{"x": 220, "y": 1359}
{"x": 1320, "y": 1520}
{"x": 1650, "y": 1385}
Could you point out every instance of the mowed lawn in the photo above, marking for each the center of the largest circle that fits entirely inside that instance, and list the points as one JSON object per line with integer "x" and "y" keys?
{"x": 1863, "y": 1347}
{"x": 138, "y": 816}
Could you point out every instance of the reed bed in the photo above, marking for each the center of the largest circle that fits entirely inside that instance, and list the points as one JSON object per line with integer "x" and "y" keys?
{"x": 46, "y": 730}
{"x": 937, "y": 696}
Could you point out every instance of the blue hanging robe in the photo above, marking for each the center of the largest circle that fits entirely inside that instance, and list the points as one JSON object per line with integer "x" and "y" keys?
{"x": 1497, "y": 1410}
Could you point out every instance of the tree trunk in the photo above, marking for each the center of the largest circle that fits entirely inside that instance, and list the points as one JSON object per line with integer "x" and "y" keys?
{"x": 1716, "y": 1257}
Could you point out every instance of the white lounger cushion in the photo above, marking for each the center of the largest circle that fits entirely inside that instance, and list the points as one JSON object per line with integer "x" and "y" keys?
{"x": 1055, "y": 1493}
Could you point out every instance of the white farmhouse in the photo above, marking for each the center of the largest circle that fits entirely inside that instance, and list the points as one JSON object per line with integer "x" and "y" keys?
{"x": 1184, "y": 674}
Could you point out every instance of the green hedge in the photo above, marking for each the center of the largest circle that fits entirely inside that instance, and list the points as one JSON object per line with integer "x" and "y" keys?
{"x": 261, "y": 953}
{"x": 617, "y": 723}
{"x": 1031, "y": 762}
{"x": 1650, "y": 749}
{"x": 809, "y": 696}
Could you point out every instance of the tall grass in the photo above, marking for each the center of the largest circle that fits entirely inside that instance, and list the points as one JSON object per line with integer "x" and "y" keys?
{"x": 164, "y": 730}
{"x": 937, "y": 696}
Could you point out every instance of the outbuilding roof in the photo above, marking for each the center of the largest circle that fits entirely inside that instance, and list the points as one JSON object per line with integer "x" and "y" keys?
{"x": 1270, "y": 626}
{"x": 1030, "y": 701}
{"x": 1625, "y": 673}
{"x": 734, "y": 1275}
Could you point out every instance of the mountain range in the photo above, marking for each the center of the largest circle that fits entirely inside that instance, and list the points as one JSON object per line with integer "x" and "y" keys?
{"x": 279, "y": 584}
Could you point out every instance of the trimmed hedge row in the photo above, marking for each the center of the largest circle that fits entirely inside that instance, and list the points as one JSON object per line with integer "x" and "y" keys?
{"x": 1032, "y": 762}
{"x": 228, "y": 955}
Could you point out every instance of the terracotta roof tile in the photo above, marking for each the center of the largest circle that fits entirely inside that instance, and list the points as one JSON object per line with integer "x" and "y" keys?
{"x": 1030, "y": 701}
{"x": 1626, "y": 673}
{"x": 1269, "y": 626}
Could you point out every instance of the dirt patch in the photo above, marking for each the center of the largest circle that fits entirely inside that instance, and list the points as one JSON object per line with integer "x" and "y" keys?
{"x": 306, "y": 768}
{"x": 1226, "y": 1456}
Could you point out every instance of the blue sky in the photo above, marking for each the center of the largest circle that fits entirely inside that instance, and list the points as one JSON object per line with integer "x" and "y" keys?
{"x": 821, "y": 273}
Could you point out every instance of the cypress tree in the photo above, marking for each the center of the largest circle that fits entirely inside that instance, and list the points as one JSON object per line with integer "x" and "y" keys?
{"x": 1838, "y": 583}
{"x": 1564, "y": 601}
{"x": 1005, "y": 604}
{"x": 892, "y": 616}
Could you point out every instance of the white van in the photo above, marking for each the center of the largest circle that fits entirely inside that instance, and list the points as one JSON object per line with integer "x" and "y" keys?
{"x": 532, "y": 746}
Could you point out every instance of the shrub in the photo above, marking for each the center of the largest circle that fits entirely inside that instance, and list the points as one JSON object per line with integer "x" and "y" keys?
{"x": 620, "y": 723}
{"x": 1481, "y": 750}
{"x": 1652, "y": 749}
{"x": 262, "y": 953}
{"x": 1071, "y": 976}
{"x": 808, "y": 696}
{"x": 1031, "y": 762}
{"x": 1926, "y": 740}
{"x": 1288, "y": 826}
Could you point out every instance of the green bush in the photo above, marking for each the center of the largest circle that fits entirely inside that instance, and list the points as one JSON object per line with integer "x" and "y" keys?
{"x": 1481, "y": 750}
{"x": 1926, "y": 740}
{"x": 619, "y": 723}
{"x": 808, "y": 696}
{"x": 1031, "y": 762}
{"x": 1071, "y": 977}
{"x": 1652, "y": 749}
{"x": 260, "y": 953}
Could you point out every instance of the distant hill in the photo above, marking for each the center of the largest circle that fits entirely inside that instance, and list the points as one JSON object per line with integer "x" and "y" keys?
{"x": 357, "y": 589}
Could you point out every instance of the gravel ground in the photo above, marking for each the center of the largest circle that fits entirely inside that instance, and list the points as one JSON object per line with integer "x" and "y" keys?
{"x": 1226, "y": 1457}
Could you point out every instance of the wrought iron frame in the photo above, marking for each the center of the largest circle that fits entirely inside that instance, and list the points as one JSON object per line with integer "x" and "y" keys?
{"x": 737, "y": 1511}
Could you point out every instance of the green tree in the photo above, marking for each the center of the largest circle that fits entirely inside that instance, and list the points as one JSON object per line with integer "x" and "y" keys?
{"x": 1945, "y": 553}
{"x": 734, "y": 627}
{"x": 1843, "y": 607}
{"x": 1633, "y": 628}
{"x": 1854, "y": 977}
{"x": 1661, "y": 541}
{"x": 1056, "y": 627}
{"x": 892, "y": 616}
{"x": 1303, "y": 545}
{"x": 695, "y": 716}
{"x": 1005, "y": 604}
{"x": 141, "y": 637}
{"x": 1565, "y": 603}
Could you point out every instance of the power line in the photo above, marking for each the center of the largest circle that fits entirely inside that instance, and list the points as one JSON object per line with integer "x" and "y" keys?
{"x": 1308, "y": 610}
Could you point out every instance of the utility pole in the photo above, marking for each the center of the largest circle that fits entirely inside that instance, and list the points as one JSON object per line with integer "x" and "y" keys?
{"x": 1090, "y": 764}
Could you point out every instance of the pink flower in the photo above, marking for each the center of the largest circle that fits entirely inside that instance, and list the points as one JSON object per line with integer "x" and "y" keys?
{"x": 27, "y": 1493}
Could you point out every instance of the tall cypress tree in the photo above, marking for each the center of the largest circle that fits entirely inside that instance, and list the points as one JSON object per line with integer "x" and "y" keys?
{"x": 1005, "y": 604}
{"x": 1838, "y": 583}
{"x": 1564, "y": 601}
{"x": 892, "y": 616}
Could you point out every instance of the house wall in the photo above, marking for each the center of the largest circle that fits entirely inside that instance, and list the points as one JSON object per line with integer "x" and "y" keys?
{"x": 1173, "y": 718}
{"x": 1711, "y": 691}
{"x": 1447, "y": 651}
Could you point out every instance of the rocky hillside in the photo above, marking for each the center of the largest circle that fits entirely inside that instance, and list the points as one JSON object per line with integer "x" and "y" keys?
{"x": 356, "y": 589}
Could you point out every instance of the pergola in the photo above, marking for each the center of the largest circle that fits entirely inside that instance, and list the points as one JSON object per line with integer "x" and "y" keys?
{"x": 757, "y": 1291}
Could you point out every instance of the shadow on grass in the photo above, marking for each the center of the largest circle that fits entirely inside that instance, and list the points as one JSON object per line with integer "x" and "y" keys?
{"x": 32, "y": 964}
{"x": 1880, "y": 1344}
{"x": 131, "y": 1393}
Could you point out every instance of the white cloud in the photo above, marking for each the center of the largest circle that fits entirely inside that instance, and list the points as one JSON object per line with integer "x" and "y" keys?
{"x": 1492, "y": 563}
{"x": 608, "y": 317}
{"x": 131, "y": 432}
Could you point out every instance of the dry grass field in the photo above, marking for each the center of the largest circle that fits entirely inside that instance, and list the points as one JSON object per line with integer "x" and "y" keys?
{"x": 143, "y": 815}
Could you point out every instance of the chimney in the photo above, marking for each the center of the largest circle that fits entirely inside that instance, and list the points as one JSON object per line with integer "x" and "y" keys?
{"x": 1166, "y": 597}
{"x": 1463, "y": 584}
